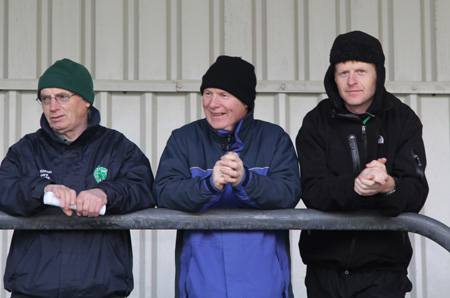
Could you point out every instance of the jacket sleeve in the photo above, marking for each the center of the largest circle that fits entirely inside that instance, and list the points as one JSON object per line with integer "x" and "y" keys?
{"x": 129, "y": 189}
{"x": 20, "y": 192}
{"x": 407, "y": 168}
{"x": 281, "y": 187}
{"x": 174, "y": 187}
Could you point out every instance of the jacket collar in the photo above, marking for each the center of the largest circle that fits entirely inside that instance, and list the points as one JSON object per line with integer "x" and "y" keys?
{"x": 233, "y": 141}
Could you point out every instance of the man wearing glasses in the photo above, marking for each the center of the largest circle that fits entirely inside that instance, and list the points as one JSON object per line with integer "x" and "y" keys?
{"x": 85, "y": 167}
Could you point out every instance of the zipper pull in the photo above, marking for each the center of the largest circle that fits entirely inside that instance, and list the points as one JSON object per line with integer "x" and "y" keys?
{"x": 363, "y": 129}
{"x": 416, "y": 157}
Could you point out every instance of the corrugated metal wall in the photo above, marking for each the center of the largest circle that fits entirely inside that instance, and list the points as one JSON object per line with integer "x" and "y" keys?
{"x": 147, "y": 58}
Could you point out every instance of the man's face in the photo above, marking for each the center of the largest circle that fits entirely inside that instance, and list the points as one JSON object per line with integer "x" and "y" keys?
{"x": 356, "y": 82}
{"x": 68, "y": 119}
{"x": 222, "y": 110}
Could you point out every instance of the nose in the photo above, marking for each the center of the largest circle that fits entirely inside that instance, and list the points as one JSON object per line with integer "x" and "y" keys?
{"x": 54, "y": 105}
{"x": 352, "y": 80}
{"x": 215, "y": 101}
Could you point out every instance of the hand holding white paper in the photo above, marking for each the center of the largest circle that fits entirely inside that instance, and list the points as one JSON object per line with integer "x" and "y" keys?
{"x": 51, "y": 199}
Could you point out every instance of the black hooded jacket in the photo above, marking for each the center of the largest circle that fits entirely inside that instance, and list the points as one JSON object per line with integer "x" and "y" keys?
{"x": 333, "y": 147}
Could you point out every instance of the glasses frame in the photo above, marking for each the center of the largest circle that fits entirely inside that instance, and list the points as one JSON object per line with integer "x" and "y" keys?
{"x": 60, "y": 100}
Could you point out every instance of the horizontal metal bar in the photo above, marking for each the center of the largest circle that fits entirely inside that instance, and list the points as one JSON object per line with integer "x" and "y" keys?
{"x": 295, "y": 87}
{"x": 235, "y": 219}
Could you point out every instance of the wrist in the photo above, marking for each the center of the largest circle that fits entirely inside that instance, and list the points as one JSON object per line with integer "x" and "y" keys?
{"x": 391, "y": 189}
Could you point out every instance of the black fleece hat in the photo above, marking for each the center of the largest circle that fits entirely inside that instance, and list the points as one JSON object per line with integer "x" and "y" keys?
{"x": 358, "y": 46}
{"x": 234, "y": 75}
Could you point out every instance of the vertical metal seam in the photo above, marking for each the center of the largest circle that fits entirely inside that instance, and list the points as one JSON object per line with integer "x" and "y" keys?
{"x": 137, "y": 43}
{"x": 38, "y": 38}
{"x": 6, "y": 37}
{"x": 179, "y": 60}
{"x": 307, "y": 56}
{"x": 142, "y": 267}
{"x": 126, "y": 39}
{"x": 390, "y": 22}
{"x": 83, "y": 33}
{"x": 221, "y": 29}
{"x": 433, "y": 53}
{"x": 264, "y": 54}
{"x": 168, "y": 40}
{"x": 93, "y": 39}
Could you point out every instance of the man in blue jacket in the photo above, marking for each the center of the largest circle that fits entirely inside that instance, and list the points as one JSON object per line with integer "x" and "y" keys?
{"x": 230, "y": 160}
{"x": 360, "y": 148}
{"x": 85, "y": 166}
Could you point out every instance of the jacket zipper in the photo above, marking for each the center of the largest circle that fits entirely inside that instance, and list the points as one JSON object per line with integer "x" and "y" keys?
{"x": 364, "y": 135}
{"x": 357, "y": 168}
{"x": 364, "y": 138}
{"x": 352, "y": 250}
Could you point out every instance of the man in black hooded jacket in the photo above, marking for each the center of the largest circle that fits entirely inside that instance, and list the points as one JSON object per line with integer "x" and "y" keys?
{"x": 361, "y": 148}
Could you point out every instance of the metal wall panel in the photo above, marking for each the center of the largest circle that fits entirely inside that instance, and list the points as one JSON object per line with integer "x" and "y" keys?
{"x": 147, "y": 58}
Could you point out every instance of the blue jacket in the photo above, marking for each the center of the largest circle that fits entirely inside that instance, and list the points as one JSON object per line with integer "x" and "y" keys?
{"x": 73, "y": 263}
{"x": 230, "y": 263}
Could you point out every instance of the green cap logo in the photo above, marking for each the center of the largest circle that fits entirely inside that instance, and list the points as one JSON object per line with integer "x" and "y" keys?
{"x": 100, "y": 174}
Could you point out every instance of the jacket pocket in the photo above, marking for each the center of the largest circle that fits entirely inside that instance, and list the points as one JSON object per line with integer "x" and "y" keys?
{"x": 19, "y": 252}
{"x": 418, "y": 164}
{"x": 355, "y": 153}
{"x": 119, "y": 259}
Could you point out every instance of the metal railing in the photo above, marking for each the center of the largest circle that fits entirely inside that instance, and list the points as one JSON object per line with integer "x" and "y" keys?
{"x": 235, "y": 219}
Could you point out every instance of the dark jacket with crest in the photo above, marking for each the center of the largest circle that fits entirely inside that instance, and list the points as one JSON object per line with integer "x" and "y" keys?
{"x": 73, "y": 263}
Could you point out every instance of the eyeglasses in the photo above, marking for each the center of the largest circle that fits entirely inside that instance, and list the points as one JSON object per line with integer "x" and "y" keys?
{"x": 60, "y": 98}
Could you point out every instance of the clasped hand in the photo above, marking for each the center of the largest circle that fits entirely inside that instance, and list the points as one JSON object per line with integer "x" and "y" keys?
{"x": 228, "y": 170}
{"x": 374, "y": 179}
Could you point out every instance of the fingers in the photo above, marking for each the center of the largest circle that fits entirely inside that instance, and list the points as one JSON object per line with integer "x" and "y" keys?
{"x": 366, "y": 187}
{"x": 379, "y": 163}
{"x": 89, "y": 202}
{"x": 228, "y": 170}
{"x": 370, "y": 186}
{"x": 232, "y": 168}
{"x": 66, "y": 196}
{"x": 376, "y": 171}
{"x": 218, "y": 178}
{"x": 375, "y": 175}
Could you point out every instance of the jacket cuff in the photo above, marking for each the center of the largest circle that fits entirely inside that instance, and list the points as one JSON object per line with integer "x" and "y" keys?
{"x": 210, "y": 185}
{"x": 246, "y": 179}
{"x": 38, "y": 189}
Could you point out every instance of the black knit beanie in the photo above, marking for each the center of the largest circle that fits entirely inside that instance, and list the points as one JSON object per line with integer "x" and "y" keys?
{"x": 234, "y": 75}
{"x": 68, "y": 75}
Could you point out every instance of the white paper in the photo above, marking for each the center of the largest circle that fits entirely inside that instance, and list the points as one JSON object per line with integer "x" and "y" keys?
{"x": 51, "y": 199}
